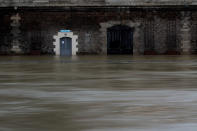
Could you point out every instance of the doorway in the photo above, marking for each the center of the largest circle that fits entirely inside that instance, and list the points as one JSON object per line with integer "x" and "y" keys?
{"x": 120, "y": 40}
{"x": 65, "y": 46}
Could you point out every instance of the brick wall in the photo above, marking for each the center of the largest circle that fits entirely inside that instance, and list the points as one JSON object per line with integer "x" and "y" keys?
{"x": 87, "y": 26}
{"x": 156, "y": 29}
{"x": 5, "y": 33}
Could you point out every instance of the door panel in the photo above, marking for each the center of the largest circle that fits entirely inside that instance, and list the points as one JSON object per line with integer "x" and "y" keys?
{"x": 65, "y": 46}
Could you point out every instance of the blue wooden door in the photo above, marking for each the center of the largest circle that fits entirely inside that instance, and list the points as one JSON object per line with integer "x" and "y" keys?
{"x": 65, "y": 46}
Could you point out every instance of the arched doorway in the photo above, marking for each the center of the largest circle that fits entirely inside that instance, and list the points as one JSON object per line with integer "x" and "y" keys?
{"x": 120, "y": 40}
{"x": 65, "y": 46}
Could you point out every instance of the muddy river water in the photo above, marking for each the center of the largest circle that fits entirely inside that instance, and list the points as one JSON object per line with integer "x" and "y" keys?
{"x": 98, "y": 93}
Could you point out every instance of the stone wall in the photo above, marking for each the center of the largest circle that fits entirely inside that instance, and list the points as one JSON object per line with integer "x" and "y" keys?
{"x": 194, "y": 32}
{"x": 6, "y": 3}
{"x": 5, "y": 36}
{"x": 155, "y": 31}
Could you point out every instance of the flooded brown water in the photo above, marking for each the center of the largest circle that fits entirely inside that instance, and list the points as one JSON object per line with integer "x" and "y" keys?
{"x": 98, "y": 93}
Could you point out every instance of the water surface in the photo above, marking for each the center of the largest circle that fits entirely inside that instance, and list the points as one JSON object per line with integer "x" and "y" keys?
{"x": 98, "y": 93}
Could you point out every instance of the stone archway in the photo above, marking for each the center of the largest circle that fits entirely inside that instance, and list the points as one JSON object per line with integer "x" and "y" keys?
{"x": 138, "y": 46}
{"x": 74, "y": 40}
{"x": 119, "y": 40}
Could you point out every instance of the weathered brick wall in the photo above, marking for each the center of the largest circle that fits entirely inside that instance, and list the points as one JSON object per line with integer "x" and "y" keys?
{"x": 5, "y": 33}
{"x": 87, "y": 26}
{"x": 194, "y": 32}
{"x": 158, "y": 29}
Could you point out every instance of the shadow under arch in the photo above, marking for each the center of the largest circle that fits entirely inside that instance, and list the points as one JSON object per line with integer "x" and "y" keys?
{"x": 120, "y": 40}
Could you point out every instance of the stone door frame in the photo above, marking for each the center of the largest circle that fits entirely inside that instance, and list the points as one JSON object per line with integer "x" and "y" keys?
{"x": 138, "y": 46}
{"x": 60, "y": 35}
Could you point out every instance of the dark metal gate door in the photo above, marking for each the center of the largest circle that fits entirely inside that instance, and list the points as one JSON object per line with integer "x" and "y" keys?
{"x": 65, "y": 46}
{"x": 120, "y": 40}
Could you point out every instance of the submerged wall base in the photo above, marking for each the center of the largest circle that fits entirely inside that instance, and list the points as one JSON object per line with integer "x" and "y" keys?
{"x": 158, "y": 30}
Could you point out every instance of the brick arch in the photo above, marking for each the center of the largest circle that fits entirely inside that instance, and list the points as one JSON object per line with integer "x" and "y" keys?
{"x": 138, "y": 46}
